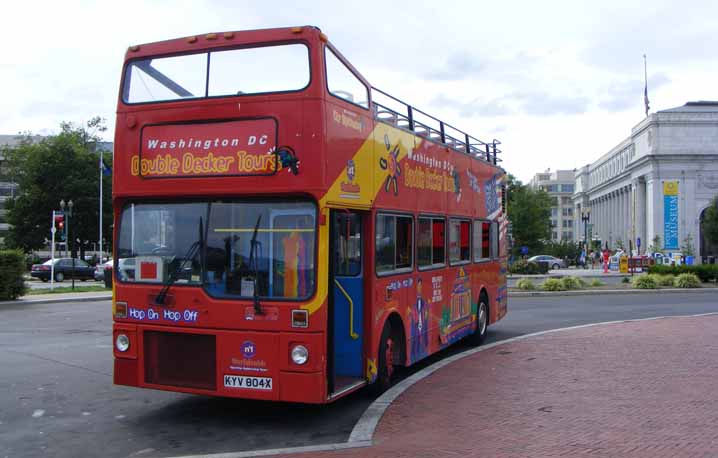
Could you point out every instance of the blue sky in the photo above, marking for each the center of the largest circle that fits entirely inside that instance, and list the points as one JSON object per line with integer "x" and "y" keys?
{"x": 558, "y": 82}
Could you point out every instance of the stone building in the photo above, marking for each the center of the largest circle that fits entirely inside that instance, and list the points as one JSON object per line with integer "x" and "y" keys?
{"x": 559, "y": 184}
{"x": 655, "y": 183}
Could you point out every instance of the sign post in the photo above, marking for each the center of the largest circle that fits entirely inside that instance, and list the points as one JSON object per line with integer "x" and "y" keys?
{"x": 53, "y": 229}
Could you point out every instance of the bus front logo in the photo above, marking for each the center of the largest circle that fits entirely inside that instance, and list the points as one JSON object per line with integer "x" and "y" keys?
{"x": 248, "y": 349}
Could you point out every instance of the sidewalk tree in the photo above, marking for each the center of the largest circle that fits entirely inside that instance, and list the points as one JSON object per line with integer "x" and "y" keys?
{"x": 655, "y": 246}
{"x": 710, "y": 222}
{"x": 687, "y": 247}
{"x": 530, "y": 215}
{"x": 62, "y": 166}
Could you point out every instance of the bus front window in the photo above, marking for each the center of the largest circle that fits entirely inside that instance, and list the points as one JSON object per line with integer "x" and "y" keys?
{"x": 154, "y": 238}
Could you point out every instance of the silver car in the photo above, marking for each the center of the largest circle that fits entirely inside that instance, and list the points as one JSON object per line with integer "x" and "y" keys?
{"x": 553, "y": 263}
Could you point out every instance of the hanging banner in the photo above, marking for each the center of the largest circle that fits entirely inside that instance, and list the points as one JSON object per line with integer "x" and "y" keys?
{"x": 670, "y": 215}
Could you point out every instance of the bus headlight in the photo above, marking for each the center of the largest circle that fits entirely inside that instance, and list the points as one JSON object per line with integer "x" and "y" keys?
{"x": 300, "y": 354}
{"x": 122, "y": 343}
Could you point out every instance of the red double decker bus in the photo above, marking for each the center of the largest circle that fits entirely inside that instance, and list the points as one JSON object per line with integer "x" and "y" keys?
{"x": 286, "y": 232}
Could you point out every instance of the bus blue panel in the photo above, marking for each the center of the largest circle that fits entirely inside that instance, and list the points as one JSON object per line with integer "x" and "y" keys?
{"x": 348, "y": 335}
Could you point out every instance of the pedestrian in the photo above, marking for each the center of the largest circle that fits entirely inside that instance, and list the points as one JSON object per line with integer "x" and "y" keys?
{"x": 582, "y": 259}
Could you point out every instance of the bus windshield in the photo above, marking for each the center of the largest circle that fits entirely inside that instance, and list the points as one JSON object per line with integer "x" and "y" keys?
{"x": 218, "y": 73}
{"x": 155, "y": 237}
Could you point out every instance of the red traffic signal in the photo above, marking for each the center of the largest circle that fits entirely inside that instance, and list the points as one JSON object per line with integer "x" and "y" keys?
{"x": 60, "y": 221}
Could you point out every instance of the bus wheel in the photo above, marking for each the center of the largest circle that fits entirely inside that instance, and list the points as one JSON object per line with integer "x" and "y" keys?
{"x": 482, "y": 323}
{"x": 385, "y": 369}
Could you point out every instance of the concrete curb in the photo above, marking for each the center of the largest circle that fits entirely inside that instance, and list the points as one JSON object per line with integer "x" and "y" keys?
{"x": 52, "y": 300}
{"x": 594, "y": 292}
{"x": 363, "y": 433}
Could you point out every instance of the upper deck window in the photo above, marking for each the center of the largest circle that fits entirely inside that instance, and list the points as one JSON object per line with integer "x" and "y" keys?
{"x": 258, "y": 70}
{"x": 344, "y": 84}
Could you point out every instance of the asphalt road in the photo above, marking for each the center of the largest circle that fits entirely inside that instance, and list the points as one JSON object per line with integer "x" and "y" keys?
{"x": 57, "y": 397}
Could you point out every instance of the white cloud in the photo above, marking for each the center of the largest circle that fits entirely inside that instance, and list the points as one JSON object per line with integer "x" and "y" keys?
{"x": 559, "y": 82}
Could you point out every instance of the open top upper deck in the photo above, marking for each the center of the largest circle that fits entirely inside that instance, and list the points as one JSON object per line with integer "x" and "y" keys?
{"x": 250, "y": 104}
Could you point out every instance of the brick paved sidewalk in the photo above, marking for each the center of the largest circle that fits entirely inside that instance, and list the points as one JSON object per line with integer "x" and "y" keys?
{"x": 635, "y": 389}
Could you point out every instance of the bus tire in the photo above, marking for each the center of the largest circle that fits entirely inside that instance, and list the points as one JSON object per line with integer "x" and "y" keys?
{"x": 482, "y": 322}
{"x": 385, "y": 367}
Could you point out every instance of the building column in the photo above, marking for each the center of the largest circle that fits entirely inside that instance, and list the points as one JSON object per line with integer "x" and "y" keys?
{"x": 654, "y": 210}
{"x": 639, "y": 189}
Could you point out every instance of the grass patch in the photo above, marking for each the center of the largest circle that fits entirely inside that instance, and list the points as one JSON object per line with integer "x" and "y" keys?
{"x": 68, "y": 289}
{"x": 525, "y": 284}
{"x": 596, "y": 283}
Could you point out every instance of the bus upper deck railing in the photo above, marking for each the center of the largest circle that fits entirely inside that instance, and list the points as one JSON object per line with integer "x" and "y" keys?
{"x": 427, "y": 126}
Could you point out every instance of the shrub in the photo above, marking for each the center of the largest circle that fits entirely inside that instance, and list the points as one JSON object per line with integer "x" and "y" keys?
{"x": 596, "y": 282}
{"x": 706, "y": 272}
{"x": 526, "y": 284}
{"x": 12, "y": 267}
{"x": 687, "y": 281}
{"x": 553, "y": 284}
{"x": 528, "y": 268}
{"x": 664, "y": 280}
{"x": 625, "y": 280}
{"x": 572, "y": 283}
{"x": 645, "y": 282}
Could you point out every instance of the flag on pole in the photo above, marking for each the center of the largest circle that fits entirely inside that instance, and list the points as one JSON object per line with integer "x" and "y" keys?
{"x": 104, "y": 168}
{"x": 645, "y": 87}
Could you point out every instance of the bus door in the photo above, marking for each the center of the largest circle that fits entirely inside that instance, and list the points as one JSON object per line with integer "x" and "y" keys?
{"x": 346, "y": 308}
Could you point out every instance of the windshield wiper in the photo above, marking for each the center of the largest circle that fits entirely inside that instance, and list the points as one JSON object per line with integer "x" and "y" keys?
{"x": 253, "y": 264}
{"x": 192, "y": 251}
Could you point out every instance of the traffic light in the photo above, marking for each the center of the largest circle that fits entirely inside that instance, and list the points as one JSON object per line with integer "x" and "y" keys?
{"x": 60, "y": 225}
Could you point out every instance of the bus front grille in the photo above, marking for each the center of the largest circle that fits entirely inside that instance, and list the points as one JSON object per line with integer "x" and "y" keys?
{"x": 181, "y": 360}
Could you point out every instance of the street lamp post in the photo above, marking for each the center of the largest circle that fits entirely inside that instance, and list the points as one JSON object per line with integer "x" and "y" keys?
{"x": 585, "y": 217}
{"x": 69, "y": 238}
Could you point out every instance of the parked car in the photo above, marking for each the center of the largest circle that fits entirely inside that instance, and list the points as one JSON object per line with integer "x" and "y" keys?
{"x": 553, "y": 263}
{"x": 63, "y": 269}
{"x": 101, "y": 268}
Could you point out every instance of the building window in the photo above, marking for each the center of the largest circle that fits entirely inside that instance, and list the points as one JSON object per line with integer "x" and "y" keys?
{"x": 430, "y": 242}
{"x": 567, "y": 188}
{"x": 393, "y": 244}
{"x": 554, "y": 223}
{"x": 552, "y": 188}
{"x": 554, "y": 236}
{"x": 554, "y": 212}
{"x": 565, "y": 200}
{"x": 459, "y": 245}
{"x": 567, "y": 211}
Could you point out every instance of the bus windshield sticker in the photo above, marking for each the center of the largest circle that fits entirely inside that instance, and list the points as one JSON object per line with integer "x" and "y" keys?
{"x": 232, "y": 148}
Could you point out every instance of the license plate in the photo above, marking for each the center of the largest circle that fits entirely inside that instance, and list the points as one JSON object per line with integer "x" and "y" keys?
{"x": 251, "y": 383}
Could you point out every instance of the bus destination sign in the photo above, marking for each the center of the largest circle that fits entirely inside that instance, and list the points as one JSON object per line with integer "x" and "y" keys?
{"x": 230, "y": 148}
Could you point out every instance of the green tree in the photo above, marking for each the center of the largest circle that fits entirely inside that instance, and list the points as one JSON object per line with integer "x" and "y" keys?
{"x": 687, "y": 248}
{"x": 530, "y": 215}
{"x": 710, "y": 222}
{"x": 655, "y": 246}
{"x": 59, "y": 167}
